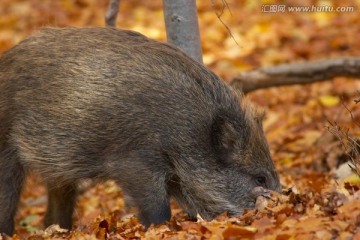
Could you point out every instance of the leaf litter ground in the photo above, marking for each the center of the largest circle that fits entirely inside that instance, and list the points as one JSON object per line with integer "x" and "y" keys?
{"x": 321, "y": 197}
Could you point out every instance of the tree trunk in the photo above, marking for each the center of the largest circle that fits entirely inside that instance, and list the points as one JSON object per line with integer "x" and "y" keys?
{"x": 111, "y": 13}
{"x": 182, "y": 28}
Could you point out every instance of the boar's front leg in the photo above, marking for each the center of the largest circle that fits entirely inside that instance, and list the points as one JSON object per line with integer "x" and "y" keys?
{"x": 153, "y": 210}
{"x": 152, "y": 201}
{"x": 146, "y": 188}
{"x": 61, "y": 204}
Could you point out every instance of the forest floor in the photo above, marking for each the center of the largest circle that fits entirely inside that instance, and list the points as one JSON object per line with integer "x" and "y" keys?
{"x": 311, "y": 129}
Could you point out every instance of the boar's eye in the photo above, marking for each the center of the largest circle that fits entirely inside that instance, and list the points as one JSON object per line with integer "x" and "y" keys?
{"x": 261, "y": 181}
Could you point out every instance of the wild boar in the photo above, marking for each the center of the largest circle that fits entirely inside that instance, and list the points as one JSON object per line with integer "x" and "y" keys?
{"x": 103, "y": 103}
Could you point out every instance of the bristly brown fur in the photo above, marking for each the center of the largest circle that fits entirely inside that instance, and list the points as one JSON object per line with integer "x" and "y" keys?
{"x": 103, "y": 103}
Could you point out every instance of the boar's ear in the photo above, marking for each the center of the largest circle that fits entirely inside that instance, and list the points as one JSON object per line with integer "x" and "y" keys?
{"x": 223, "y": 137}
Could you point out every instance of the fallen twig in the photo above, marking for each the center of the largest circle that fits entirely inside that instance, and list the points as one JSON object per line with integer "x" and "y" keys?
{"x": 297, "y": 73}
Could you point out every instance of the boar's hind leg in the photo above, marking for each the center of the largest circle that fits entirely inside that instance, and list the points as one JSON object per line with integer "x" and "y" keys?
{"x": 61, "y": 204}
{"x": 11, "y": 180}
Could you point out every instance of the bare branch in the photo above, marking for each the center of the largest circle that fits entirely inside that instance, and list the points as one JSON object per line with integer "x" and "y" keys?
{"x": 351, "y": 115}
{"x": 111, "y": 13}
{"x": 351, "y": 145}
{"x": 298, "y": 73}
{"x": 224, "y": 6}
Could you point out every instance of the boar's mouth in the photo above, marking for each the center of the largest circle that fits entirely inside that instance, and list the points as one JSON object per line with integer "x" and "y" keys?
{"x": 260, "y": 191}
